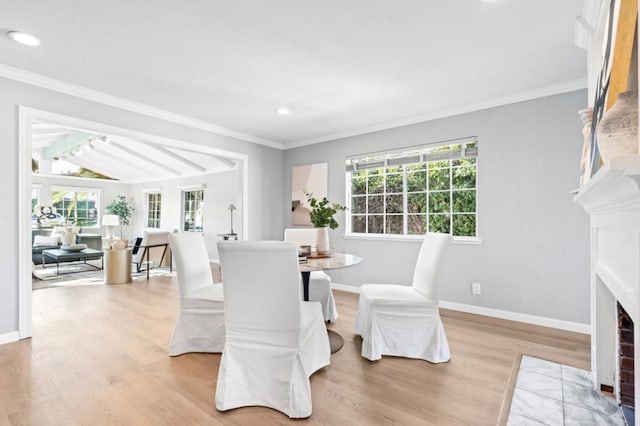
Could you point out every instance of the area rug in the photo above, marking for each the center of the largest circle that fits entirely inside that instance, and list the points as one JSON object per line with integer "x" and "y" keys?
{"x": 548, "y": 393}
{"x": 74, "y": 274}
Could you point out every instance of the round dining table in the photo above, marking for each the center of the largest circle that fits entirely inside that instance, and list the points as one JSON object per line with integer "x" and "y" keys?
{"x": 317, "y": 262}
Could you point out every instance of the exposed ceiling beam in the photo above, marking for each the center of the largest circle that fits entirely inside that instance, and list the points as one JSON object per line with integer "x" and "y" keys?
{"x": 145, "y": 158}
{"x": 65, "y": 144}
{"x": 176, "y": 157}
{"x": 131, "y": 164}
{"x": 97, "y": 166}
{"x": 227, "y": 161}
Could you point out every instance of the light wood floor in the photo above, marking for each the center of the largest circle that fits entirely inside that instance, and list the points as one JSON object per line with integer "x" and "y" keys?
{"x": 99, "y": 356}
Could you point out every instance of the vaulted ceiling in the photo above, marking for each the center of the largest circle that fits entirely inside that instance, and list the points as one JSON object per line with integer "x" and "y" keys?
{"x": 122, "y": 158}
{"x": 341, "y": 67}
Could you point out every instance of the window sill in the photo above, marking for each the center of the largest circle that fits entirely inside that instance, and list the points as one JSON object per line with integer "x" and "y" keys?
{"x": 411, "y": 238}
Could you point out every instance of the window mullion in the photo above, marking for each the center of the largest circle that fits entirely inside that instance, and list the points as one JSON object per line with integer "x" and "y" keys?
{"x": 405, "y": 204}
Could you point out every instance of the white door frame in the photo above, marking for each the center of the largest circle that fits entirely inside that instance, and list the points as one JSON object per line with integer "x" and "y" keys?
{"x": 26, "y": 117}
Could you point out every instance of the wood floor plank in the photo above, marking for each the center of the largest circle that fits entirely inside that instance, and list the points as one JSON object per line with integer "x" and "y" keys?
{"x": 99, "y": 356}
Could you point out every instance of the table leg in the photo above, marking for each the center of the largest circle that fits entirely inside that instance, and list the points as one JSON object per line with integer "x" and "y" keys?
{"x": 305, "y": 285}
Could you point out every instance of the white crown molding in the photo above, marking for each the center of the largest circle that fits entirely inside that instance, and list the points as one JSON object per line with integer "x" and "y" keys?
{"x": 497, "y": 313}
{"x": 556, "y": 89}
{"x": 49, "y": 83}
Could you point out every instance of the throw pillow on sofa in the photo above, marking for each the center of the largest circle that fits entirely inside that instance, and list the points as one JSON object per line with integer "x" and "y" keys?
{"x": 42, "y": 240}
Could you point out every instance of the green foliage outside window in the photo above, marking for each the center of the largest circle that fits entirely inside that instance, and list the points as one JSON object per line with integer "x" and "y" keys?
{"x": 438, "y": 196}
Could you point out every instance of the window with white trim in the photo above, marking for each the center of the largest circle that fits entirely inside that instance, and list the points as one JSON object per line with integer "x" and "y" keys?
{"x": 193, "y": 210}
{"x": 77, "y": 205}
{"x": 154, "y": 205}
{"x": 415, "y": 190}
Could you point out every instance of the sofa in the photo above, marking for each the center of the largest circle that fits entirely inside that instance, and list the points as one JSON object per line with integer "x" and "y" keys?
{"x": 93, "y": 241}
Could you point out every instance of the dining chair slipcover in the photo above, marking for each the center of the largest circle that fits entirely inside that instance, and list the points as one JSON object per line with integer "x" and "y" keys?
{"x": 274, "y": 341}
{"x": 200, "y": 323}
{"x": 319, "y": 282}
{"x": 404, "y": 321}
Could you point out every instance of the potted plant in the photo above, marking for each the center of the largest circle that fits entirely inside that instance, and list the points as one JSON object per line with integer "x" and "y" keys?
{"x": 123, "y": 208}
{"x": 322, "y": 217}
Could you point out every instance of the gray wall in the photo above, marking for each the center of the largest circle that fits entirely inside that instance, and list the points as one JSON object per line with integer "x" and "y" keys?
{"x": 534, "y": 255}
{"x": 265, "y": 171}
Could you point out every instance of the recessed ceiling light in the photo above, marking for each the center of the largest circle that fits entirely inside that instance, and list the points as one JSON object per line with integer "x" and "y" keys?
{"x": 23, "y": 38}
{"x": 282, "y": 111}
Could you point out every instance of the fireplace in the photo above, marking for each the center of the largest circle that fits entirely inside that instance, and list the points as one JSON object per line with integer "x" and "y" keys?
{"x": 626, "y": 387}
{"x": 612, "y": 199}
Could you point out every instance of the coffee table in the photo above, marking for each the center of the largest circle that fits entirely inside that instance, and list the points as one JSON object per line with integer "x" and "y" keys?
{"x": 64, "y": 256}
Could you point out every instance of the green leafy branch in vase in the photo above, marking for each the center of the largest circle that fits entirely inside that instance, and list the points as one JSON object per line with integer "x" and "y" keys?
{"x": 322, "y": 211}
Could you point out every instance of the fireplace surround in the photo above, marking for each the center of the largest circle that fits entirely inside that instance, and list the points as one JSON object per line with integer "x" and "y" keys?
{"x": 612, "y": 199}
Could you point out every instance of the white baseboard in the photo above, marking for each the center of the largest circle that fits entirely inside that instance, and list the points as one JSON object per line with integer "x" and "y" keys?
{"x": 516, "y": 316}
{"x": 10, "y": 337}
{"x": 497, "y": 313}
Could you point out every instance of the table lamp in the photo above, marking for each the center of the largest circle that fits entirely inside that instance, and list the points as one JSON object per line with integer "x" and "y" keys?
{"x": 110, "y": 220}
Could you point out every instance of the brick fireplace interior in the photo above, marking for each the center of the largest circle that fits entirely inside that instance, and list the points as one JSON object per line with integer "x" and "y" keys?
{"x": 626, "y": 360}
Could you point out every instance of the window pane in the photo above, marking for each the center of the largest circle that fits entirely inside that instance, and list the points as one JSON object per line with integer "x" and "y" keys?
{"x": 464, "y": 177}
{"x": 394, "y": 224}
{"x": 464, "y": 162}
{"x": 416, "y": 181}
{"x": 359, "y": 224}
{"x": 358, "y": 205}
{"x": 394, "y": 183}
{"x": 375, "y": 224}
{"x": 464, "y": 225}
{"x": 375, "y": 204}
{"x": 438, "y": 164}
{"x": 417, "y": 203}
{"x": 416, "y": 166}
{"x": 416, "y": 224}
{"x": 394, "y": 169}
{"x": 376, "y": 184}
{"x": 439, "y": 179}
{"x": 464, "y": 201}
{"x": 394, "y": 203}
{"x": 439, "y": 202}
{"x": 439, "y": 223}
{"x": 359, "y": 183}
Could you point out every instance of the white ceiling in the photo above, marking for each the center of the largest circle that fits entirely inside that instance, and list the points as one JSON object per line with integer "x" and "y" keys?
{"x": 341, "y": 67}
{"x": 122, "y": 158}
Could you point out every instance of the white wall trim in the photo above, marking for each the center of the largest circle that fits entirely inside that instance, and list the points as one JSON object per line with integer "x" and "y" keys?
{"x": 516, "y": 316}
{"x": 555, "y": 89}
{"x": 10, "y": 337}
{"x": 25, "y": 118}
{"x": 81, "y": 92}
{"x": 24, "y": 224}
{"x": 497, "y": 313}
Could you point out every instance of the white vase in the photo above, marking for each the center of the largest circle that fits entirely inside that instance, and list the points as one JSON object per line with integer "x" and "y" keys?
{"x": 68, "y": 238}
{"x": 322, "y": 240}
{"x": 618, "y": 128}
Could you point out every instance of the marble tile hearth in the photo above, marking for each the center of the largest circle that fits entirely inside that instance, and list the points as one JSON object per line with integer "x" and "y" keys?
{"x": 551, "y": 394}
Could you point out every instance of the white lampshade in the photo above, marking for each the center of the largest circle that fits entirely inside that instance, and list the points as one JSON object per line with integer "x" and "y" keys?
{"x": 110, "y": 220}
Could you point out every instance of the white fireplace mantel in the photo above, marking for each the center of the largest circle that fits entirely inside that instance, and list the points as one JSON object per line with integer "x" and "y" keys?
{"x": 612, "y": 199}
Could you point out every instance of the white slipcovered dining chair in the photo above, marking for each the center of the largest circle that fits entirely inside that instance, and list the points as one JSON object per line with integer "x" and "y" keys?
{"x": 404, "y": 321}
{"x": 319, "y": 282}
{"x": 274, "y": 341}
{"x": 200, "y": 323}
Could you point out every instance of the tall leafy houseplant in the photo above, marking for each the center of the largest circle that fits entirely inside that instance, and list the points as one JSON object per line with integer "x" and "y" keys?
{"x": 322, "y": 217}
{"x": 123, "y": 208}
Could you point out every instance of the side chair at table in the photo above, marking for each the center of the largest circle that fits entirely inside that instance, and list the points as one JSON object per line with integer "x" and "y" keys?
{"x": 200, "y": 323}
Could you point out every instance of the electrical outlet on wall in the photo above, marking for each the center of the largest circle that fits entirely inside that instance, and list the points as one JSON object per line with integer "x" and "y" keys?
{"x": 476, "y": 289}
